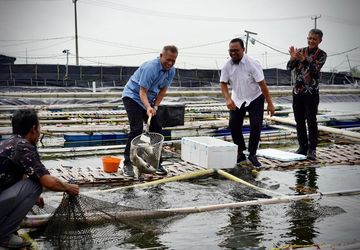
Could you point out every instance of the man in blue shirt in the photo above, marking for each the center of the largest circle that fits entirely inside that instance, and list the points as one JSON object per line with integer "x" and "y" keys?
{"x": 142, "y": 95}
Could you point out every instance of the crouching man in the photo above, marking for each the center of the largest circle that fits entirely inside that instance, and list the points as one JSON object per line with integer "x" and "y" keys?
{"x": 22, "y": 177}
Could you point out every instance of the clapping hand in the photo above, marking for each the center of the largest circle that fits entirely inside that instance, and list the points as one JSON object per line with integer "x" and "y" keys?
{"x": 296, "y": 54}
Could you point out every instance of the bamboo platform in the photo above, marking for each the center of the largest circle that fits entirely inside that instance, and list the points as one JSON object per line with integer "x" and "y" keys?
{"x": 120, "y": 128}
{"x": 93, "y": 176}
{"x": 117, "y": 94}
{"x": 90, "y": 176}
{"x": 331, "y": 155}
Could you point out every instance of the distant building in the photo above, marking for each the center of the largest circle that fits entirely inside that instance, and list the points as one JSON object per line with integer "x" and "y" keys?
{"x": 7, "y": 59}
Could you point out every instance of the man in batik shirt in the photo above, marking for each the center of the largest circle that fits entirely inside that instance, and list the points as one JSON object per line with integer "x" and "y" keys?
{"x": 22, "y": 177}
{"x": 307, "y": 63}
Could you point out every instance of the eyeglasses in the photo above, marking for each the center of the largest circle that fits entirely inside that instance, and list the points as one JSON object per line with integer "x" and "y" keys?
{"x": 233, "y": 50}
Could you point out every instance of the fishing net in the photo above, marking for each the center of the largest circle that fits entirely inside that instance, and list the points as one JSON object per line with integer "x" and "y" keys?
{"x": 81, "y": 222}
{"x": 145, "y": 152}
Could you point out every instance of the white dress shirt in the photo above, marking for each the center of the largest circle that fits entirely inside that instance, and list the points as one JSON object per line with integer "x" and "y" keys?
{"x": 243, "y": 78}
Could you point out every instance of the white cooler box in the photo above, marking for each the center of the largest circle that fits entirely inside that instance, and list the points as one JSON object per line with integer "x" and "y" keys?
{"x": 208, "y": 152}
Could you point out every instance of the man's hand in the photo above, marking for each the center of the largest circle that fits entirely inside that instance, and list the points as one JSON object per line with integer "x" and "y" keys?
{"x": 150, "y": 111}
{"x": 300, "y": 56}
{"x": 72, "y": 189}
{"x": 270, "y": 109}
{"x": 296, "y": 54}
{"x": 40, "y": 202}
{"x": 292, "y": 52}
{"x": 230, "y": 104}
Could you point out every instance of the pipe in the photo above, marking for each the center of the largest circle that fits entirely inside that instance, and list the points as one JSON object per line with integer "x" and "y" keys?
{"x": 236, "y": 179}
{"x": 30, "y": 221}
{"x": 160, "y": 181}
{"x": 337, "y": 131}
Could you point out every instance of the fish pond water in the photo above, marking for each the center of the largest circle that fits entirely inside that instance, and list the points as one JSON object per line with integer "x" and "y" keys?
{"x": 326, "y": 221}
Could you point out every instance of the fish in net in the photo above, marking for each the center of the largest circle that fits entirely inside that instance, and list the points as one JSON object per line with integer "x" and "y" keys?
{"x": 145, "y": 155}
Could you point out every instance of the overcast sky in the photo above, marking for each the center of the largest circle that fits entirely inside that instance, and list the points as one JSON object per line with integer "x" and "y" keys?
{"x": 129, "y": 32}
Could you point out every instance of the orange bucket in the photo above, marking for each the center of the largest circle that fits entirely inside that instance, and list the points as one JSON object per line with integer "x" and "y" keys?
{"x": 110, "y": 163}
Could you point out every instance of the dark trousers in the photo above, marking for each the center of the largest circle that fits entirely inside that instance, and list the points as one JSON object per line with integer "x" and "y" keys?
{"x": 137, "y": 116}
{"x": 305, "y": 107}
{"x": 15, "y": 202}
{"x": 256, "y": 113}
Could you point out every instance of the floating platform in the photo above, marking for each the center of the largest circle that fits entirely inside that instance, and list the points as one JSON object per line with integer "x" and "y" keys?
{"x": 93, "y": 176}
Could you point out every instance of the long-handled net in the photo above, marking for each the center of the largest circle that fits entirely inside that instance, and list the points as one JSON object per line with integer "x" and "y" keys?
{"x": 145, "y": 154}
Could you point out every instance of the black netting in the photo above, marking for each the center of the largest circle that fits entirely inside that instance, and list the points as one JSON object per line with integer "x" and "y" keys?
{"x": 82, "y": 222}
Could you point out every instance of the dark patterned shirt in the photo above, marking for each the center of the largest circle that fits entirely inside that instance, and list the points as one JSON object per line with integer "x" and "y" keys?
{"x": 18, "y": 157}
{"x": 307, "y": 73}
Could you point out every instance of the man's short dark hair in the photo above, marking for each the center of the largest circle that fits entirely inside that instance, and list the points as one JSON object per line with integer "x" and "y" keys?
{"x": 23, "y": 120}
{"x": 316, "y": 32}
{"x": 238, "y": 40}
{"x": 171, "y": 48}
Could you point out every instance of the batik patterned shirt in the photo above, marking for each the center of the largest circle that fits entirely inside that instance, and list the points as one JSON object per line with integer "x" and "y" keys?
{"x": 19, "y": 158}
{"x": 307, "y": 73}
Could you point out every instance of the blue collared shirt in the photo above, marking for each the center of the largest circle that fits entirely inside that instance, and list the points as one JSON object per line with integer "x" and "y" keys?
{"x": 151, "y": 76}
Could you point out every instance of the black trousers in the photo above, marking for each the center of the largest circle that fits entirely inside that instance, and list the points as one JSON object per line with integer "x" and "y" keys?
{"x": 305, "y": 107}
{"x": 137, "y": 116}
{"x": 256, "y": 113}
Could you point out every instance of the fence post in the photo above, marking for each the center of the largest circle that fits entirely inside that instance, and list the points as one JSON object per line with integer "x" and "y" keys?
{"x": 120, "y": 76}
{"x": 179, "y": 77}
{"x": 101, "y": 74}
{"x": 10, "y": 72}
{"x": 94, "y": 86}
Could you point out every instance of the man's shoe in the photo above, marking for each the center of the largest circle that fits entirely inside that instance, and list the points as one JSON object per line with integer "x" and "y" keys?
{"x": 240, "y": 157}
{"x": 128, "y": 170}
{"x": 161, "y": 170}
{"x": 253, "y": 159}
{"x": 301, "y": 151}
{"x": 15, "y": 242}
{"x": 311, "y": 154}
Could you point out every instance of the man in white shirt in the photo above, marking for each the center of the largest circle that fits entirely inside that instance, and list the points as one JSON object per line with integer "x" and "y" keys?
{"x": 249, "y": 89}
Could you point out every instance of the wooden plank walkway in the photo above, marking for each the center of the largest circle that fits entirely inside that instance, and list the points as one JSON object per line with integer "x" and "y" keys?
{"x": 93, "y": 176}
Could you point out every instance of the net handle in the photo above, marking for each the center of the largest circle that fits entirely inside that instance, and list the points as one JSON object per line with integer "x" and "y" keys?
{"x": 148, "y": 124}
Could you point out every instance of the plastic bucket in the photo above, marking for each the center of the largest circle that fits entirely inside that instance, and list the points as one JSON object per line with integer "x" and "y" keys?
{"x": 110, "y": 163}
{"x": 146, "y": 156}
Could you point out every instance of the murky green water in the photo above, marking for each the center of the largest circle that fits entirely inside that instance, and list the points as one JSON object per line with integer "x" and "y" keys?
{"x": 326, "y": 221}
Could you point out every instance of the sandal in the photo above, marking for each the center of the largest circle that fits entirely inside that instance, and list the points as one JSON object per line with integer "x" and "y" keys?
{"x": 15, "y": 242}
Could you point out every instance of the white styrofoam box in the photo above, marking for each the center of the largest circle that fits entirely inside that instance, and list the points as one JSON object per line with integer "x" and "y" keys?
{"x": 280, "y": 155}
{"x": 208, "y": 152}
